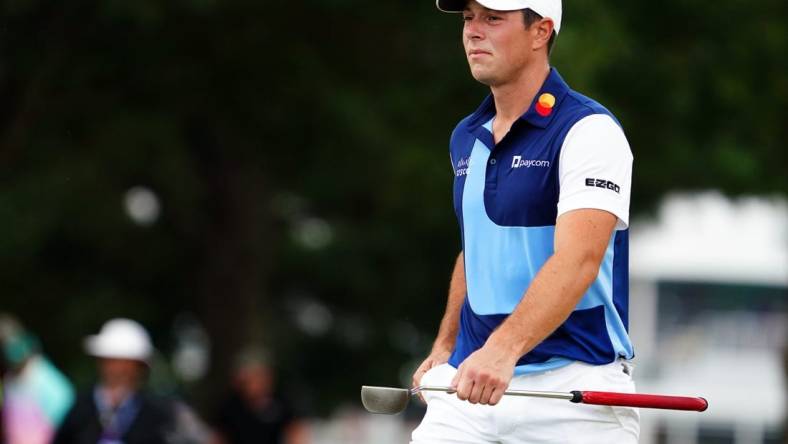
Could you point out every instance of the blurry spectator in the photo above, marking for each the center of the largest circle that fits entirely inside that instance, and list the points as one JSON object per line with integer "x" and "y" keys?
{"x": 253, "y": 411}
{"x": 118, "y": 409}
{"x": 36, "y": 396}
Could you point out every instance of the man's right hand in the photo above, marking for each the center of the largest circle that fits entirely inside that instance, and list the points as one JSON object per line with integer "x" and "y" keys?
{"x": 436, "y": 358}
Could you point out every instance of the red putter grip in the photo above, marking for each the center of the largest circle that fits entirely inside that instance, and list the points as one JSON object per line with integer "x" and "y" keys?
{"x": 638, "y": 400}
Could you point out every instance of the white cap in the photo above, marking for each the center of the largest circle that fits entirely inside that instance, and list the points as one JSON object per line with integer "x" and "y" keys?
{"x": 546, "y": 8}
{"x": 120, "y": 339}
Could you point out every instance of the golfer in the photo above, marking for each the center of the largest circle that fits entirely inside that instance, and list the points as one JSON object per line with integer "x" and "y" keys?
{"x": 538, "y": 298}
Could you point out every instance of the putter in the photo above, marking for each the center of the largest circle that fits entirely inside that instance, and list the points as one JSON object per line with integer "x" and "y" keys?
{"x": 392, "y": 400}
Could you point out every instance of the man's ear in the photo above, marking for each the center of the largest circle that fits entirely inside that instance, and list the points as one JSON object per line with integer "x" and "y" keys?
{"x": 543, "y": 30}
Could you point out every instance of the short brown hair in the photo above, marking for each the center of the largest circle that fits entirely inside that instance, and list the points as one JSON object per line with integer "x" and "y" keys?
{"x": 530, "y": 17}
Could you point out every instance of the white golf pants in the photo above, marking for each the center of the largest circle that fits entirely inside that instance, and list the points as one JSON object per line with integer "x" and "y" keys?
{"x": 520, "y": 420}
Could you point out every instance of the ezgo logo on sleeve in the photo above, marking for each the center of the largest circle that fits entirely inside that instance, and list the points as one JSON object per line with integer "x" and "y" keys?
{"x": 519, "y": 162}
{"x": 602, "y": 183}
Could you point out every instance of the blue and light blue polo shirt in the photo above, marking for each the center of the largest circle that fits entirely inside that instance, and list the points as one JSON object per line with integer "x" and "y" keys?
{"x": 566, "y": 152}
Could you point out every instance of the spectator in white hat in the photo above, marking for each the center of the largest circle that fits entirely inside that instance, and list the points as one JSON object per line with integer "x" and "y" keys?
{"x": 117, "y": 409}
{"x": 124, "y": 350}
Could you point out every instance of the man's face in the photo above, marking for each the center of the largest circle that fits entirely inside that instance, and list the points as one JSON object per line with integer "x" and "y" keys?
{"x": 497, "y": 44}
{"x": 254, "y": 382}
{"x": 125, "y": 372}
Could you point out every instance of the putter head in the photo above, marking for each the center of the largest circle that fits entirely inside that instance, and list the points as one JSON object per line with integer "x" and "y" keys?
{"x": 385, "y": 400}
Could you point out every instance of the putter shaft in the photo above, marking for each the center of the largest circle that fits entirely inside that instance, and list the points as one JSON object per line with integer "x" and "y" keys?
{"x": 530, "y": 393}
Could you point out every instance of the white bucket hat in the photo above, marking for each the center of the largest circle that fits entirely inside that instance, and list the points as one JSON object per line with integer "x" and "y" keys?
{"x": 546, "y": 8}
{"x": 120, "y": 339}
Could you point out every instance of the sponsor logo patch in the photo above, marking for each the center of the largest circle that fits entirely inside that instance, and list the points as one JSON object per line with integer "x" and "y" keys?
{"x": 602, "y": 183}
{"x": 519, "y": 162}
{"x": 544, "y": 106}
{"x": 462, "y": 167}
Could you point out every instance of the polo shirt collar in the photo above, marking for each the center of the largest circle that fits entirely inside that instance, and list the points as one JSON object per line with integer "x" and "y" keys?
{"x": 554, "y": 86}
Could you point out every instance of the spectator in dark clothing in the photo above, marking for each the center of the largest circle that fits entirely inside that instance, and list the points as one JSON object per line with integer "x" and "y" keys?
{"x": 141, "y": 419}
{"x": 117, "y": 410}
{"x": 253, "y": 412}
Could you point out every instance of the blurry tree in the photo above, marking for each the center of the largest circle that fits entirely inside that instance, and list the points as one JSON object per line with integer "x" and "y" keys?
{"x": 299, "y": 153}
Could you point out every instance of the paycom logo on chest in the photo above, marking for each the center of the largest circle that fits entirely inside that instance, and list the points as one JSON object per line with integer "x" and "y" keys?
{"x": 519, "y": 162}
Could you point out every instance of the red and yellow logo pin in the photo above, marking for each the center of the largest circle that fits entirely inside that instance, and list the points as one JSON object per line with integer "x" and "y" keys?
{"x": 545, "y": 104}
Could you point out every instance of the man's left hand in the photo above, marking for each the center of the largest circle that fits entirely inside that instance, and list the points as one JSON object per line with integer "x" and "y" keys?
{"x": 484, "y": 375}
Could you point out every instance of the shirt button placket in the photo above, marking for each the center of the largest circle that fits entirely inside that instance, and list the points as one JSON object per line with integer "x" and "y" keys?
{"x": 492, "y": 174}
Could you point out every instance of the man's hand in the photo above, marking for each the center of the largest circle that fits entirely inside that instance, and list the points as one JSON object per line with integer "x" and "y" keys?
{"x": 484, "y": 375}
{"x": 436, "y": 358}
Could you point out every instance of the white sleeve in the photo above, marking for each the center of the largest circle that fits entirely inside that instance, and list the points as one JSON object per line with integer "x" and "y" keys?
{"x": 595, "y": 168}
